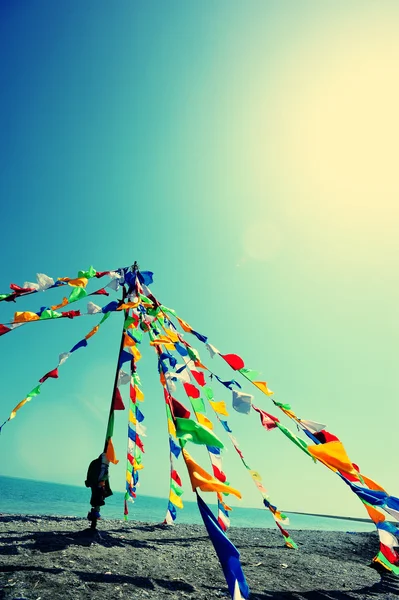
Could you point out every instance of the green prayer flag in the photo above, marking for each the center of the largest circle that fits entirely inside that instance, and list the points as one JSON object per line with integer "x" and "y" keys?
{"x": 2, "y": 296}
{"x": 198, "y": 405}
{"x": 105, "y": 317}
{"x": 249, "y": 373}
{"x": 300, "y": 443}
{"x": 193, "y": 354}
{"x": 87, "y": 274}
{"x": 110, "y": 427}
{"x": 128, "y": 321}
{"x": 137, "y": 334}
{"x": 77, "y": 294}
{"x": 176, "y": 488}
{"x": 389, "y": 565}
{"x": 208, "y": 392}
{"x": 189, "y": 430}
{"x": 50, "y": 314}
{"x": 129, "y": 467}
{"x": 137, "y": 455}
{"x": 284, "y": 406}
{"x": 136, "y": 378}
{"x": 34, "y": 392}
{"x": 168, "y": 310}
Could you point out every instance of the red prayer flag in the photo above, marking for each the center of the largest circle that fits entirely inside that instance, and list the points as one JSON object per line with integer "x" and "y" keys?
{"x": 267, "y": 420}
{"x": 139, "y": 443}
{"x": 219, "y": 474}
{"x": 234, "y": 361}
{"x": 53, "y": 374}
{"x": 20, "y": 290}
{"x": 175, "y": 476}
{"x": 199, "y": 377}
{"x": 4, "y": 329}
{"x": 283, "y": 531}
{"x": 102, "y": 292}
{"x": 101, "y": 274}
{"x": 222, "y": 525}
{"x": 191, "y": 390}
{"x": 70, "y": 314}
{"x": 133, "y": 393}
{"x": 390, "y": 554}
{"x": 118, "y": 402}
{"x": 325, "y": 436}
{"x": 178, "y": 409}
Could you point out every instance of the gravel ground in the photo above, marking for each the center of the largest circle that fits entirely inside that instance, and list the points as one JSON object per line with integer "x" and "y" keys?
{"x": 57, "y": 558}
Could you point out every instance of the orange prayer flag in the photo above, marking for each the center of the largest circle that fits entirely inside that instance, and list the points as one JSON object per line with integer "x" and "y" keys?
{"x": 204, "y": 481}
{"x": 63, "y": 303}
{"x": 24, "y": 317}
{"x": 334, "y": 456}
{"x": 110, "y": 454}
{"x": 92, "y": 332}
{"x": 372, "y": 484}
{"x": 374, "y": 514}
{"x": 128, "y": 305}
{"x": 128, "y": 341}
{"x": 262, "y": 386}
{"x": 185, "y": 326}
{"x": 78, "y": 282}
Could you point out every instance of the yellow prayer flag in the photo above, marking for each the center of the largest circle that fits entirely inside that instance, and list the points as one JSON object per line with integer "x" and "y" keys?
{"x": 175, "y": 499}
{"x": 171, "y": 428}
{"x": 255, "y": 475}
{"x": 262, "y": 386}
{"x": 203, "y": 420}
{"x": 132, "y": 417}
{"x": 219, "y": 407}
{"x": 12, "y": 415}
{"x": 136, "y": 353}
{"x": 172, "y": 335}
{"x": 334, "y": 456}
{"x": 139, "y": 393}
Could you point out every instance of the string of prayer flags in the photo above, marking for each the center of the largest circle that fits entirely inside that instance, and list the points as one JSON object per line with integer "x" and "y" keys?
{"x": 279, "y": 517}
{"x": 53, "y": 374}
{"x": 44, "y": 282}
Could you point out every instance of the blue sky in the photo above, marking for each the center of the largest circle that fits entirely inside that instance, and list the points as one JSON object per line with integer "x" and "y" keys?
{"x": 244, "y": 152}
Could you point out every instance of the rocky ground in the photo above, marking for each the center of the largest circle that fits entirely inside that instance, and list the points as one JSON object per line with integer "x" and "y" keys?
{"x": 57, "y": 558}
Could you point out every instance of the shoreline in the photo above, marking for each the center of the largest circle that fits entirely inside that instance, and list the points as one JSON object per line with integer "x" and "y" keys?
{"x": 57, "y": 558}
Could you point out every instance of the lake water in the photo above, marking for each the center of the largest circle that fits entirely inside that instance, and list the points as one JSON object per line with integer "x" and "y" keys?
{"x": 25, "y": 496}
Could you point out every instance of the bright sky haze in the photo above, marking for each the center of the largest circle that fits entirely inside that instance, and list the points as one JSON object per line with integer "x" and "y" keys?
{"x": 246, "y": 153}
